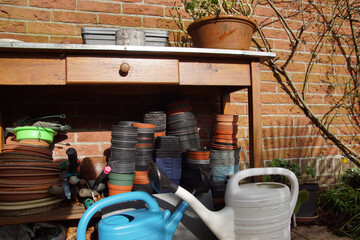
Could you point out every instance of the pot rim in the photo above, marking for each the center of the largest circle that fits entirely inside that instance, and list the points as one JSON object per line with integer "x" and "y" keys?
{"x": 222, "y": 17}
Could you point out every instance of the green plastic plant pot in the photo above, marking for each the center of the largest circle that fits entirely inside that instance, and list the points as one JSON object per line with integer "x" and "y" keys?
{"x": 39, "y": 133}
{"x": 121, "y": 182}
{"x": 121, "y": 176}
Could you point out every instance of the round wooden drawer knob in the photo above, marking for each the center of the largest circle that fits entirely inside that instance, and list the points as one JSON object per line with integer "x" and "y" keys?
{"x": 124, "y": 68}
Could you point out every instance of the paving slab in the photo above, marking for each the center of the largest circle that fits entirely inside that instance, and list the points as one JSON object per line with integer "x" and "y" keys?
{"x": 314, "y": 232}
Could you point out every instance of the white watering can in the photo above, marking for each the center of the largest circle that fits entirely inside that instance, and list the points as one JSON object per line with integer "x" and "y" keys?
{"x": 253, "y": 211}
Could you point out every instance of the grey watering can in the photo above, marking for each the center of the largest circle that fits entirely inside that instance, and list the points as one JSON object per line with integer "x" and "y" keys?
{"x": 253, "y": 211}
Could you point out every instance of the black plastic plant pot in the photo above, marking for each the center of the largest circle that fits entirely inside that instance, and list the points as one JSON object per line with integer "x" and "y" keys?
{"x": 184, "y": 124}
{"x": 196, "y": 161}
{"x": 143, "y": 161}
{"x": 121, "y": 167}
{"x": 146, "y": 134}
{"x": 122, "y": 153}
{"x": 218, "y": 189}
{"x": 143, "y": 187}
{"x": 193, "y": 143}
{"x": 140, "y": 167}
{"x": 145, "y": 140}
{"x": 308, "y": 208}
{"x": 194, "y": 166}
{"x": 124, "y": 136}
{"x": 126, "y": 123}
{"x": 123, "y": 144}
{"x": 180, "y": 116}
{"x": 123, "y": 129}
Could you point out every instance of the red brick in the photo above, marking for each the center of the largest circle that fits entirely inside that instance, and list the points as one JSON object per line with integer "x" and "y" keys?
{"x": 239, "y": 97}
{"x": 347, "y": 130}
{"x": 271, "y": 154}
{"x": 244, "y": 144}
{"x": 169, "y": 12}
{"x": 302, "y": 121}
{"x": 143, "y": 10}
{"x": 53, "y": 4}
{"x": 268, "y": 87}
{"x": 319, "y": 109}
{"x": 94, "y": 136}
{"x": 264, "y": 11}
{"x": 128, "y": 1}
{"x": 274, "y": 143}
{"x": 324, "y": 151}
{"x": 105, "y": 149}
{"x": 275, "y": 98}
{"x": 51, "y": 28}
{"x": 73, "y": 17}
{"x": 275, "y": 33}
{"x": 309, "y": 141}
{"x": 95, "y": 6}
{"x": 162, "y": 23}
{"x": 160, "y": 2}
{"x": 314, "y": 99}
{"x": 300, "y": 77}
{"x": 24, "y": 13}
{"x": 290, "y": 110}
{"x": 238, "y": 109}
{"x": 296, "y": 67}
{"x": 66, "y": 40}
{"x": 320, "y": 88}
{"x": 26, "y": 38}
{"x": 12, "y": 26}
{"x": 269, "y": 132}
{"x": 295, "y": 153}
{"x": 15, "y": 2}
{"x": 69, "y": 137}
{"x": 117, "y": 20}
{"x": 269, "y": 109}
{"x": 267, "y": 76}
{"x": 277, "y": 121}
{"x": 294, "y": 131}
{"x": 83, "y": 150}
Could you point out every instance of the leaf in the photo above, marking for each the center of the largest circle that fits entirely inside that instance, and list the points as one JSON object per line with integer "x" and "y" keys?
{"x": 302, "y": 197}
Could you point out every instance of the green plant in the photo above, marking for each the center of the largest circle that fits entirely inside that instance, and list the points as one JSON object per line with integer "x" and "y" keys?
{"x": 203, "y": 8}
{"x": 340, "y": 207}
{"x": 305, "y": 176}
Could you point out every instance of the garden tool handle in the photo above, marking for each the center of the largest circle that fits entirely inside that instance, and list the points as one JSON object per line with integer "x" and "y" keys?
{"x": 124, "y": 197}
{"x": 233, "y": 186}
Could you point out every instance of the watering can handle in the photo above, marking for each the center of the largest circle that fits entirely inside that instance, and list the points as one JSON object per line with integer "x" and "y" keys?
{"x": 124, "y": 197}
{"x": 233, "y": 184}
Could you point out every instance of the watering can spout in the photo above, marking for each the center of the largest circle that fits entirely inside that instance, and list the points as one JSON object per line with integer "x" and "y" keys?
{"x": 175, "y": 218}
{"x": 221, "y": 223}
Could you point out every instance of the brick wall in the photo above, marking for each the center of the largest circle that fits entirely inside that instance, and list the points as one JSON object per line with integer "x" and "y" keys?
{"x": 287, "y": 132}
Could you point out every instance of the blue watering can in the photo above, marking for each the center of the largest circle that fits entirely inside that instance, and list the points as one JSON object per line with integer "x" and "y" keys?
{"x": 142, "y": 223}
{"x": 150, "y": 223}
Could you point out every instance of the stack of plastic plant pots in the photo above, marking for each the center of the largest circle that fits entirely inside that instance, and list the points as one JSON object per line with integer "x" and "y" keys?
{"x": 122, "y": 160}
{"x": 195, "y": 158}
{"x": 142, "y": 182}
{"x": 184, "y": 126}
{"x": 224, "y": 164}
{"x": 225, "y": 131}
{"x": 225, "y": 153}
{"x": 120, "y": 183}
{"x": 144, "y": 154}
{"x": 159, "y": 119}
{"x": 144, "y": 145}
{"x": 168, "y": 157}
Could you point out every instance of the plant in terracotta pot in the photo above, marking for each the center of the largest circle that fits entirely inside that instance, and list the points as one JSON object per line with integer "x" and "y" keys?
{"x": 307, "y": 200}
{"x": 224, "y": 24}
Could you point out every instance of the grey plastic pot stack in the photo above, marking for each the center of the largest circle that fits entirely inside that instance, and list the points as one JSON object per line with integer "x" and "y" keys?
{"x": 106, "y": 36}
